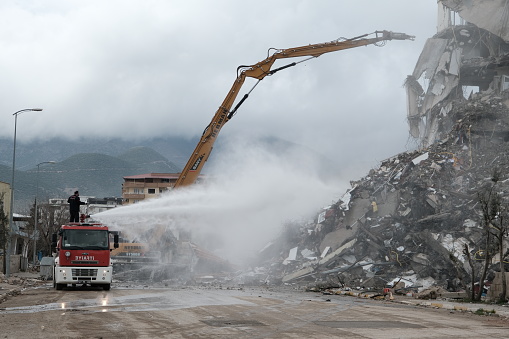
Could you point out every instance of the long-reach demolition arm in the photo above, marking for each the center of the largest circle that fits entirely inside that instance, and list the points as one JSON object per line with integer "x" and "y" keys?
{"x": 259, "y": 71}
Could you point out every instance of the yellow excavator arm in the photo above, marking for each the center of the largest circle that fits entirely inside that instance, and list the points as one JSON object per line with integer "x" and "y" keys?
{"x": 259, "y": 71}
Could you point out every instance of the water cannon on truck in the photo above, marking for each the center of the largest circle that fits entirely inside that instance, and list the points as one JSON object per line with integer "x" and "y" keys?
{"x": 83, "y": 255}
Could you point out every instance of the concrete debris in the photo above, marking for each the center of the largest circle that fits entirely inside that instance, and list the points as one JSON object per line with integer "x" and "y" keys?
{"x": 16, "y": 283}
{"x": 293, "y": 254}
{"x": 420, "y": 158}
{"x": 325, "y": 252}
{"x": 430, "y": 293}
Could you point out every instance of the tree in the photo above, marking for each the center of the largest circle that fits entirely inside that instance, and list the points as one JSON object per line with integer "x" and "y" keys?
{"x": 4, "y": 230}
{"x": 50, "y": 218}
{"x": 500, "y": 231}
{"x": 494, "y": 222}
{"x": 30, "y": 227}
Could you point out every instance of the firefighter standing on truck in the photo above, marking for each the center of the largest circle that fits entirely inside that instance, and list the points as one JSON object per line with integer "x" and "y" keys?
{"x": 74, "y": 206}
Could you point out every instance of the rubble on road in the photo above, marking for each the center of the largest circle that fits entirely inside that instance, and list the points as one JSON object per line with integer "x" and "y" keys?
{"x": 16, "y": 283}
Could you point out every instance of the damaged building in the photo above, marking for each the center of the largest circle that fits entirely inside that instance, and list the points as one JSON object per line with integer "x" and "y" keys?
{"x": 463, "y": 58}
{"x": 410, "y": 220}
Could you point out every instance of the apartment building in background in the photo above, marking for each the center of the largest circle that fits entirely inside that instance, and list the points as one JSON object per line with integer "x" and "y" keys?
{"x": 145, "y": 186}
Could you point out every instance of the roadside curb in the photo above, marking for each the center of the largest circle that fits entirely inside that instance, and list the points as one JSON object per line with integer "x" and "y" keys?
{"x": 485, "y": 309}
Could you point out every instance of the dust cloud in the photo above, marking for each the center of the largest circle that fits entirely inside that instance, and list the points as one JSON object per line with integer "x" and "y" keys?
{"x": 249, "y": 192}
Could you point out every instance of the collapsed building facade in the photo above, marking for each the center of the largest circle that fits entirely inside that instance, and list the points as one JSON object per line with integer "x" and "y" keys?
{"x": 472, "y": 55}
{"x": 409, "y": 220}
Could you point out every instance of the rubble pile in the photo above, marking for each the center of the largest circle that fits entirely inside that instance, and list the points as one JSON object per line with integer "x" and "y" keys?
{"x": 408, "y": 220}
{"x": 13, "y": 285}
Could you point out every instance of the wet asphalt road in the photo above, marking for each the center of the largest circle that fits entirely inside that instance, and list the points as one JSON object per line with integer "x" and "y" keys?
{"x": 208, "y": 312}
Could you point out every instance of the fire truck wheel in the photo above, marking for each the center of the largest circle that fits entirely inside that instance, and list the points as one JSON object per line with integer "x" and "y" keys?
{"x": 59, "y": 286}
{"x": 106, "y": 287}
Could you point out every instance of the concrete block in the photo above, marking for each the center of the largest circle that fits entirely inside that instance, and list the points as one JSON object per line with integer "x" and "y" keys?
{"x": 15, "y": 263}
{"x": 298, "y": 274}
{"x": 496, "y": 286}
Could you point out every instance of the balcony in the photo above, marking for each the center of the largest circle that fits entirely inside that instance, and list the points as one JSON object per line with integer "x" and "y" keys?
{"x": 133, "y": 184}
{"x": 133, "y": 196}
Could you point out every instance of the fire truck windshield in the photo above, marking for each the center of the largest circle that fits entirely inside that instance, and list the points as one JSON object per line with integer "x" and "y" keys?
{"x": 85, "y": 239}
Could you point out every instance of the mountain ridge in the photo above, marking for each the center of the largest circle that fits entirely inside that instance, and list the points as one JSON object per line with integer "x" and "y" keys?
{"x": 94, "y": 174}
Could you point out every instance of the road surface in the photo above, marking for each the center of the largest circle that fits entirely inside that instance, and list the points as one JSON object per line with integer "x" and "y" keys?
{"x": 213, "y": 312}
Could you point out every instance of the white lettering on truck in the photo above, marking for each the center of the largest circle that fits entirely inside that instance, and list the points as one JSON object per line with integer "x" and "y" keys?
{"x": 84, "y": 257}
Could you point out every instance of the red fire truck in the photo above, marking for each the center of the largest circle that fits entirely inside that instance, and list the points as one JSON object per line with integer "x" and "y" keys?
{"x": 83, "y": 255}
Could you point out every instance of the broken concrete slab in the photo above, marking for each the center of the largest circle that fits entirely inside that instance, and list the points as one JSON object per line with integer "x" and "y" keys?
{"x": 298, "y": 274}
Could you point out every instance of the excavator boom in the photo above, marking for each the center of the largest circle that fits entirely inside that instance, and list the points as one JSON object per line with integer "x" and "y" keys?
{"x": 259, "y": 71}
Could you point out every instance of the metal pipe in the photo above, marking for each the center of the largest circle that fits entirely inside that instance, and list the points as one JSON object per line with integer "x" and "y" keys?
{"x": 11, "y": 214}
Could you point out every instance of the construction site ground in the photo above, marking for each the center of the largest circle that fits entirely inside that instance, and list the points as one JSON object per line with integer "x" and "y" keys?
{"x": 30, "y": 307}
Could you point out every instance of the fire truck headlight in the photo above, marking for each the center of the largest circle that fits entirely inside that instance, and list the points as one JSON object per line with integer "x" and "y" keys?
{"x": 105, "y": 272}
{"x": 68, "y": 254}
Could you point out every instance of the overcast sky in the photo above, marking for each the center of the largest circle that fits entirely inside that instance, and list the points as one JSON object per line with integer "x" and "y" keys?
{"x": 156, "y": 68}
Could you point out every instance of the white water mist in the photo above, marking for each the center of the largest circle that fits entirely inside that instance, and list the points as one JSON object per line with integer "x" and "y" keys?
{"x": 248, "y": 194}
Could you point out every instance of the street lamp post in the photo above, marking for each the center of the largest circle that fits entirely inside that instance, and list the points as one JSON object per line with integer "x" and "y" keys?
{"x": 35, "y": 212}
{"x": 11, "y": 226}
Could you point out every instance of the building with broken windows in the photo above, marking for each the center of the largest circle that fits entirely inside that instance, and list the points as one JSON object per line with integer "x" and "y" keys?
{"x": 468, "y": 57}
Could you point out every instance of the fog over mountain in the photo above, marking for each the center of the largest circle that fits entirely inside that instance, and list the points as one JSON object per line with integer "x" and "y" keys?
{"x": 97, "y": 167}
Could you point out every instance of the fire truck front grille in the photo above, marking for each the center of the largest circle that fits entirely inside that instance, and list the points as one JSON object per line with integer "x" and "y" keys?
{"x": 84, "y": 273}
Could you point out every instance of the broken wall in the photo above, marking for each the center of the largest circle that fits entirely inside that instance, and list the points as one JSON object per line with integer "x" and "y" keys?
{"x": 496, "y": 286}
{"x": 491, "y": 15}
{"x": 459, "y": 59}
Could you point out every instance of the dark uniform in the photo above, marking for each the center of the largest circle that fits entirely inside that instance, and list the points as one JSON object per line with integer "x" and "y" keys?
{"x": 74, "y": 206}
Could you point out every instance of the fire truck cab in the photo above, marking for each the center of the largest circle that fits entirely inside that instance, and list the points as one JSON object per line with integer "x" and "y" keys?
{"x": 83, "y": 255}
